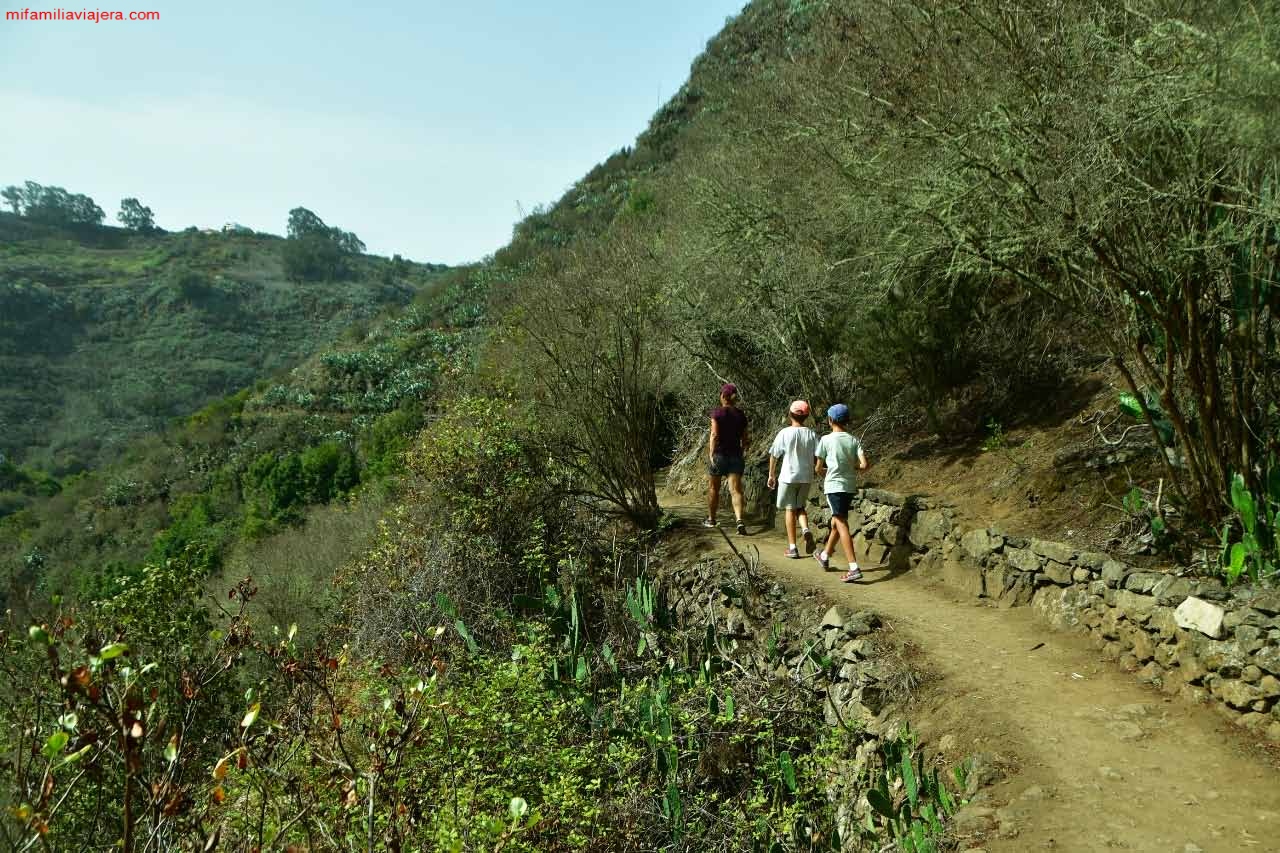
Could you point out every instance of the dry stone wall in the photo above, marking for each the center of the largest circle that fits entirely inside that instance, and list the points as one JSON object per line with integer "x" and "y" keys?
{"x": 834, "y": 655}
{"x": 831, "y": 651}
{"x": 1191, "y": 637}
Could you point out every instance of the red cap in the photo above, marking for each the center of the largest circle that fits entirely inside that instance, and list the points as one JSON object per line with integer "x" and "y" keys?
{"x": 800, "y": 408}
{"x": 729, "y": 391}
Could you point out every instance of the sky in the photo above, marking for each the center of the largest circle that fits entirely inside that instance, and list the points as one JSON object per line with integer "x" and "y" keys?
{"x": 424, "y": 127}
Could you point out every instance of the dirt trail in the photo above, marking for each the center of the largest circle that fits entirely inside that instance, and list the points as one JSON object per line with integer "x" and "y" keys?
{"x": 1093, "y": 761}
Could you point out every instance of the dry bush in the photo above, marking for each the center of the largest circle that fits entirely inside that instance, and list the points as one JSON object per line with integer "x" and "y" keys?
{"x": 590, "y": 341}
{"x": 294, "y": 569}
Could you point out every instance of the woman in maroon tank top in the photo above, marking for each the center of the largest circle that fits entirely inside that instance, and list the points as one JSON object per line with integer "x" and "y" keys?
{"x": 725, "y": 453}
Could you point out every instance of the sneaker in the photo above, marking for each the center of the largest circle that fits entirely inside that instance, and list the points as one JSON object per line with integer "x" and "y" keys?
{"x": 792, "y": 553}
{"x": 706, "y": 522}
{"x": 852, "y": 576}
{"x": 826, "y": 564}
{"x": 808, "y": 540}
{"x": 742, "y": 529}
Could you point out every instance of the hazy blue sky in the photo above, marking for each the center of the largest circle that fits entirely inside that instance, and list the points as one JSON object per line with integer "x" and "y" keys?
{"x": 418, "y": 125}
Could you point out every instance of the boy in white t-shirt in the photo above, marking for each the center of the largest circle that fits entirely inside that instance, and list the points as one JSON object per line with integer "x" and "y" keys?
{"x": 840, "y": 457}
{"x": 795, "y": 446}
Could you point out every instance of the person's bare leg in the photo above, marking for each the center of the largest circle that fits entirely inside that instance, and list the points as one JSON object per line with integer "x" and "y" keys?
{"x": 804, "y": 527}
{"x": 713, "y": 498}
{"x": 791, "y": 527}
{"x": 832, "y": 538}
{"x": 735, "y": 493}
{"x": 846, "y": 541}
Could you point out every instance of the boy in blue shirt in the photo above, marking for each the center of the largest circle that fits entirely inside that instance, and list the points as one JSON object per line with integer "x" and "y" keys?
{"x": 840, "y": 457}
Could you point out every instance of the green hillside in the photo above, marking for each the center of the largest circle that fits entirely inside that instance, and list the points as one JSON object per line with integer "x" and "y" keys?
{"x": 106, "y": 334}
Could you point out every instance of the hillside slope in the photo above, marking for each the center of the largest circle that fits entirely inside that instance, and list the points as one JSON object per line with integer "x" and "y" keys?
{"x": 106, "y": 335}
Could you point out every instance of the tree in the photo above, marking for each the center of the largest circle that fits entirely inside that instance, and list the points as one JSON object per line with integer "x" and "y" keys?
{"x": 56, "y": 206}
{"x": 12, "y": 196}
{"x": 314, "y": 250}
{"x": 304, "y": 223}
{"x": 84, "y": 211}
{"x": 135, "y": 216}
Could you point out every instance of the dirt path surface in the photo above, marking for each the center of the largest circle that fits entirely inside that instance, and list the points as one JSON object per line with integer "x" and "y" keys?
{"x": 1089, "y": 759}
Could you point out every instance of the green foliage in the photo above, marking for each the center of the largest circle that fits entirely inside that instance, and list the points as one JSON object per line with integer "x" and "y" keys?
{"x": 479, "y": 467}
{"x": 135, "y": 216}
{"x": 19, "y": 485}
{"x": 1256, "y": 553}
{"x": 192, "y": 534}
{"x": 53, "y": 205}
{"x": 1148, "y": 410}
{"x": 910, "y": 799}
{"x": 279, "y": 485}
{"x": 995, "y": 439}
{"x": 316, "y": 252}
{"x": 127, "y": 704}
{"x": 384, "y": 442}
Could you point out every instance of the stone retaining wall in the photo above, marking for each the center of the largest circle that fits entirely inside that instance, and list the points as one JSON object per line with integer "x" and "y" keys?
{"x": 1191, "y": 637}
{"x": 774, "y": 634}
{"x": 835, "y": 656}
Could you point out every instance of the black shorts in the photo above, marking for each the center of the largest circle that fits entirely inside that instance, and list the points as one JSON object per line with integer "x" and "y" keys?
{"x": 722, "y": 465}
{"x": 840, "y": 502}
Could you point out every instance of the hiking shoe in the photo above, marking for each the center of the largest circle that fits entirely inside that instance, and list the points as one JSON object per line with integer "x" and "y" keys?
{"x": 792, "y": 553}
{"x": 852, "y": 576}
{"x": 742, "y": 529}
{"x": 706, "y": 522}
{"x": 808, "y": 541}
{"x": 826, "y": 564}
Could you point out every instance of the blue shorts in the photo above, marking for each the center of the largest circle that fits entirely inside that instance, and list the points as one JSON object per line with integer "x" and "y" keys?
{"x": 840, "y": 502}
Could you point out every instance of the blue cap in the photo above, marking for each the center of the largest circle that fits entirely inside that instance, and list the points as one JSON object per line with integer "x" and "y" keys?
{"x": 839, "y": 413}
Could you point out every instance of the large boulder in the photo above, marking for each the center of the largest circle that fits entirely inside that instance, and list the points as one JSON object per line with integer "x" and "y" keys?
{"x": 1171, "y": 590}
{"x": 1199, "y": 615}
{"x": 1023, "y": 559}
{"x": 1053, "y": 550}
{"x": 979, "y": 544}
{"x": 1134, "y": 606}
{"x": 1267, "y": 602}
{"x": 1059, "y": 573}
{"x": 929, "y": 527}
{"x": 1061, "y": 608}
{"x": 1143, "y": 582}
{"x": 1114, "y": 572}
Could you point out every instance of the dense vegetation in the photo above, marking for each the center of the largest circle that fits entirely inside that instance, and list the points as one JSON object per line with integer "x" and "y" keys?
{"x": 940, "y": 214}
{"x": 106, "y": 335}
{"x": 935, "y": 214}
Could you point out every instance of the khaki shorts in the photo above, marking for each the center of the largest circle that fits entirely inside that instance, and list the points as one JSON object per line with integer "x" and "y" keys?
{"x": 793, "y": 495}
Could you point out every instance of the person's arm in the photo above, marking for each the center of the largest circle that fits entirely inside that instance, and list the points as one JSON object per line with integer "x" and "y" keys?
{"x": 819, "y": 465}
{"x": 773, "y": 471}
{"x": 862, "y": 459}
{"x": 711, "y": 443}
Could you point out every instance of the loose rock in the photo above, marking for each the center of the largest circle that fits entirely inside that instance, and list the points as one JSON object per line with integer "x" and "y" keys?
{"x": 1199, "y": 615}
